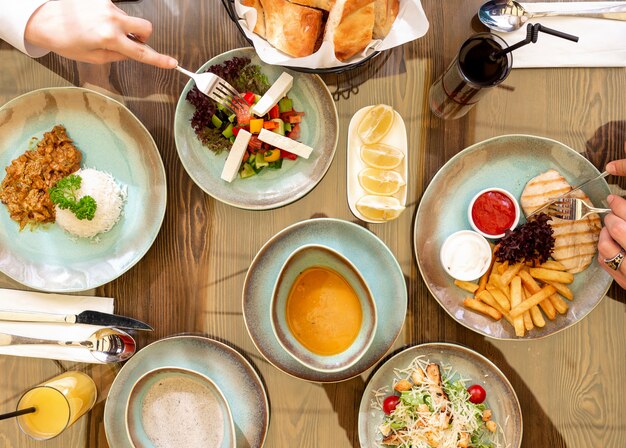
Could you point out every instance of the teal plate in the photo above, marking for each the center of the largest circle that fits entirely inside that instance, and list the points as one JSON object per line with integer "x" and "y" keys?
{"x": 270, "y": 188}
{"x": 468, "y": 364}
{"x": 232, "y": 374}
{"x": 365, "y": 251}
{"x": 508, "y": 162}
{"x": 111, "y": 139}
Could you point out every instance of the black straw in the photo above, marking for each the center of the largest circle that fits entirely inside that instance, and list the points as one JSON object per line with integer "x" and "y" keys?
{"x": 532, "y": 34}
{"x": 18, "y": 413}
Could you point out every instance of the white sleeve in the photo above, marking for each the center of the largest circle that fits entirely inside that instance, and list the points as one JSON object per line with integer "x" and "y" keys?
{"x": 13, "y": 19}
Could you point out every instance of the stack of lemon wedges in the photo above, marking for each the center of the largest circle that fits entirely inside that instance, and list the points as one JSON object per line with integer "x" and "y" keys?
{"x": 379, "y": 178}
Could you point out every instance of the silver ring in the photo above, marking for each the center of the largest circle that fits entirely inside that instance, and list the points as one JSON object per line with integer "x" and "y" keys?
{"x": 615, "y": 262}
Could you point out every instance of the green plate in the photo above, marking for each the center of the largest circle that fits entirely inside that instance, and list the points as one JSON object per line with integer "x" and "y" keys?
{"x": 228, "y": 369}
{"x": 365, "y": 251}
{"x": 508, "y": 162}
{"x": 270, "y": 188}
{"x": 111, "y": 139}
{"x": 469, "y": 365}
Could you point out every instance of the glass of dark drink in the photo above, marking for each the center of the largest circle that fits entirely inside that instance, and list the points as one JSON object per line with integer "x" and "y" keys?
{"x": 477, "y": 66}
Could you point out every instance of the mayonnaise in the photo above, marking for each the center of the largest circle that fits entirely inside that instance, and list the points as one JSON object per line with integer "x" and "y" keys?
{"x": 465, "y": 255}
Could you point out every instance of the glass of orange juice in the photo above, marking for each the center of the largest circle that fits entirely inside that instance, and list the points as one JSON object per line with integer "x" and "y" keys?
{"x": 58, "y": 403}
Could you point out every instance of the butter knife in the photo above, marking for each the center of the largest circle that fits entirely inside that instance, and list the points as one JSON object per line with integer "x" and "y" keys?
{"x": 86, "y": 317}
{"x": 564, "y": 195}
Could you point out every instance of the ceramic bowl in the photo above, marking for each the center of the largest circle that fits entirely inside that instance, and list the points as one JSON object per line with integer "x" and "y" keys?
{"x": 136, "y": 427}
{"x": 309, "y": 256}
{"x": 498, "y": 190}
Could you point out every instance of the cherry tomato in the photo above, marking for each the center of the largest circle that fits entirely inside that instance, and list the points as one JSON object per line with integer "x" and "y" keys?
{"x": 477, "y": 394}
{"x": 390, "y": 403}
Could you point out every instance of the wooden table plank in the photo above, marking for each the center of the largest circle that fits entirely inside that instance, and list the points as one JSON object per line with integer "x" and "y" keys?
{"x": 191, "y": 279}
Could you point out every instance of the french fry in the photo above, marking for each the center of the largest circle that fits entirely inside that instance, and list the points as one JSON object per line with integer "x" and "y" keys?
{"x": 554, "y": 265}
{"x": 548, "y": 309}
{"x": 508, "y": 275}
{"x": 528, "y": 322}
{"x": 479, "y": 306}
{"x": 550, "y": 275}
{"x": 529, "y": 282}
{"x": 482, "y": 282}
{"x": 559, "y": 304}
{"x": 500, "y": 297}
{"x": 467, "y": 286}
{"x": 563, "y": 290}
{"x": 516, "y": 299}
{"x": 503, "y": 267}
{"x": 486, "y": 297}
{"x": 535, "y": 299}
{"x": 537, "y": 317}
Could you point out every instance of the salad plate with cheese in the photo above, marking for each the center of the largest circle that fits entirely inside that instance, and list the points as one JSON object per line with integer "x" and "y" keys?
{"x": 269, "y": 153}
{"x": 439, "y": 395}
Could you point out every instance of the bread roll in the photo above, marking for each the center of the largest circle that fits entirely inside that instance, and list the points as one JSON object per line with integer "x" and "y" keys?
{"x": 385, "y": 12}
{"x": 259, "y": 27}
{"x": 293, "y": 29}
{"x": 318, "y": 4}
{"x": 350, "y": 26}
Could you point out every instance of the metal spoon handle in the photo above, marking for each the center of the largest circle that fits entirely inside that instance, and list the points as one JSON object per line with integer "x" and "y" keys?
{"x": 610, "y": 12}
{"x": 11, "y": 339}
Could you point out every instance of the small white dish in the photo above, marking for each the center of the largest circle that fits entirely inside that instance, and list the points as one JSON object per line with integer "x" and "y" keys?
{"x": 397, "y": 138}
{"x": 512, "y": 198}
{"x": 465, "y": 255}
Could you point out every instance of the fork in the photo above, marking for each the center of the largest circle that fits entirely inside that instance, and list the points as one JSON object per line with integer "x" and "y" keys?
{"x": 211, "y": 85}
{"x": 572, "y": 209}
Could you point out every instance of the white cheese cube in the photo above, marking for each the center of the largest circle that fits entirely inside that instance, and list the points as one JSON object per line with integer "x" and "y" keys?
{"x": 235, "y": 156}
{"x": 275, "y": 93}
{"x": 285, "y": 143}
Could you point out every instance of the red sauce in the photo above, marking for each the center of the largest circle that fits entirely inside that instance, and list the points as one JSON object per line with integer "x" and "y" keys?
{"x": 493, "y": 212}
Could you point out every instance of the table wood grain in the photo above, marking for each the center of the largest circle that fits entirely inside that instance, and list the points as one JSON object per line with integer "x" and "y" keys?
{"x": 569, "y": 385}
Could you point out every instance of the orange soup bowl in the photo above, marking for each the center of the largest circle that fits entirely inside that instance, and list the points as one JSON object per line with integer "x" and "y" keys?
{"x": 322, "y": 311}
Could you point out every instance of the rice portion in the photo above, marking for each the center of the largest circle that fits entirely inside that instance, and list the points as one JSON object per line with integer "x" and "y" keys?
{"x": 109, "y": 204}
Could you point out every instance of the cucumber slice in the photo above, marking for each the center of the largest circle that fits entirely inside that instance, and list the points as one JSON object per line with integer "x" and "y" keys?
{"x": 260, "y": 162}
{"x": 281, "y": 126}
{"x": 228, "y": 132}
{"x": 246, "y": 171}
{"x": 216, "y": 121}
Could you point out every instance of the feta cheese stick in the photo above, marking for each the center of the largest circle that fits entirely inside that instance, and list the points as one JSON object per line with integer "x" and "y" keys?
{"x": 285, "y": 143}
{"x": 235, "y": 156}
{"x": 278, "y": 90}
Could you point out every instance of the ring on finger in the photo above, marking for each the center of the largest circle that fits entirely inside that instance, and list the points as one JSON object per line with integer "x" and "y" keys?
{"x": 615, "y": 262}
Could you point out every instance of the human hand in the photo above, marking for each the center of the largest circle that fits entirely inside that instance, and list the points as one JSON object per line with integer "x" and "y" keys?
{"x": 92, "y": 31}
{"x": 613, "y": 238}
{"x": 617, "y": 167}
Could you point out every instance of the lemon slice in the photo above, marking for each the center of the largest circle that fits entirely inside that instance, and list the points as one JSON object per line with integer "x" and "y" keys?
{"x": 376, "y": 123}
{"x": 379, "y": 208}
{"x": 382, "y": 182}
{"x": 381, "y": 156}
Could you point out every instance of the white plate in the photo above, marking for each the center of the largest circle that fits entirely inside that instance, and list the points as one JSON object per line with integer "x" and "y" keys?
{"x": 396, "y": 138}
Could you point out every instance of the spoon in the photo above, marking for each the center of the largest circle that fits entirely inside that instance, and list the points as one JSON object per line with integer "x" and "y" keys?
{"x": 509, "y": 15}
{"x": 106, "y": 344}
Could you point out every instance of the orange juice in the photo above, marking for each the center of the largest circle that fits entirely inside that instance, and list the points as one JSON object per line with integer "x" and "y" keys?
{"x": 59, "y": 402}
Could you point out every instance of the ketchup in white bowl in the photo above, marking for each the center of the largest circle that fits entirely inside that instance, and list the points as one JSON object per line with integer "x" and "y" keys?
{"x": 466, "y": 255}
{"x": 493, "y": 211}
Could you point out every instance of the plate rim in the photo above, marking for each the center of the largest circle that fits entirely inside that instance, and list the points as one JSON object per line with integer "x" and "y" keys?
{"x": 444, "y": 346}
{"x": 222, "y": 346}
{"x": 235, "y": 52}
{"x": 264, "y": 248}
{"x": 454, "y": 159}
{"x": 161, "y": 168}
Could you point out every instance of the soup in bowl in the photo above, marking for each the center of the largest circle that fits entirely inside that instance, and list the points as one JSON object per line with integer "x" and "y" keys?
{"x": 322, "y": 311}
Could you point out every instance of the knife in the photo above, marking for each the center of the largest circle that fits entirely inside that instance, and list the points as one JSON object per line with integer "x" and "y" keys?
{"x": 564, "y": 195}
{"x": 86, "y": 317}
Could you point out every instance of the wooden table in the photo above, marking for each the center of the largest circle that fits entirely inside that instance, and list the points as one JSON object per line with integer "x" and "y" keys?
{"x": 569, "y": 385}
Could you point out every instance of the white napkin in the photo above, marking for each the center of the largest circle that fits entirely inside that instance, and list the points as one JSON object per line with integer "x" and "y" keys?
{"x": 410, "y": 24}
{"x": 602, "y": 42}
{"x": 38, "y": 302}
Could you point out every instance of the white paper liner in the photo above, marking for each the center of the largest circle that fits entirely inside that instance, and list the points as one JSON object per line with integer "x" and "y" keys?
{"x": 602, "y": 42}
{"x": 410, "y": 24}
